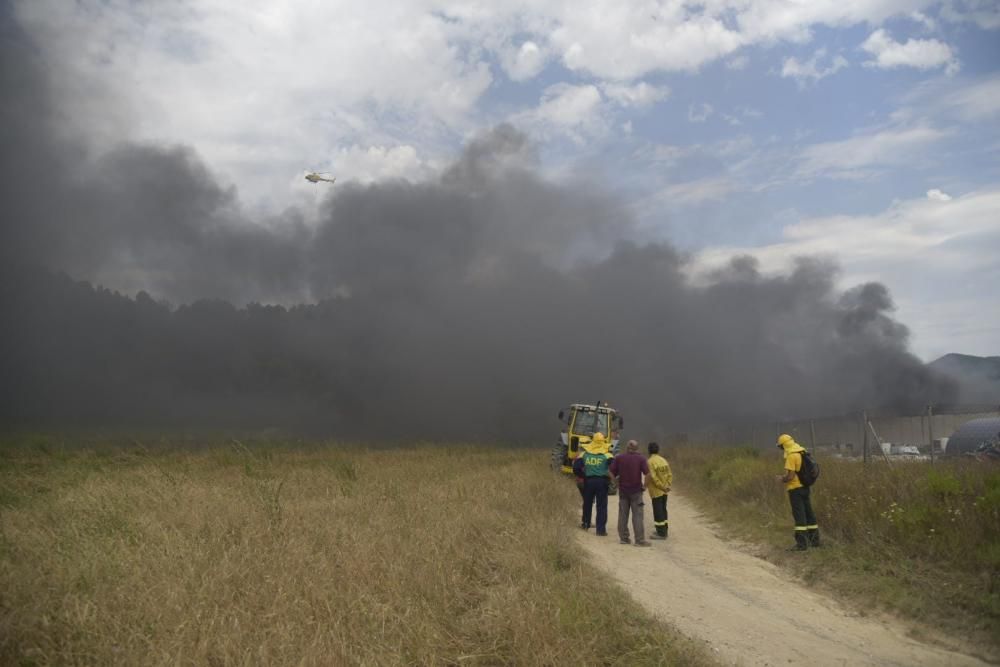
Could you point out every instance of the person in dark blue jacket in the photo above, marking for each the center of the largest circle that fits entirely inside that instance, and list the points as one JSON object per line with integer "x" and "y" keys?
{"x": 595, "y": 465}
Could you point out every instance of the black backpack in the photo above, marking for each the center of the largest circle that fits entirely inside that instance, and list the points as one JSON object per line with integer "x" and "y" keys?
{"x": 809, "y": 472}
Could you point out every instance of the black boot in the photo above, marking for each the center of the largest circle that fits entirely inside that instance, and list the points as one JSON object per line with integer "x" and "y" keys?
{"x": 800, "y": 541}
{"x": 813, "y": 534}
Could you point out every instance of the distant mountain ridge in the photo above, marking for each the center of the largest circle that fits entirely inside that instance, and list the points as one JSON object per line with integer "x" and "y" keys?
{"x": 978, "y": 378}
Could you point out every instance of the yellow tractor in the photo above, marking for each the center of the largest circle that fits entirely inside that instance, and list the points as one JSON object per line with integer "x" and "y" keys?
{"x": 580, "y": 422}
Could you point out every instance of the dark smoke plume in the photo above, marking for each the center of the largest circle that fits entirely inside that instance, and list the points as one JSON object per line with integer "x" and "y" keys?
{"x": 471, "y": 306}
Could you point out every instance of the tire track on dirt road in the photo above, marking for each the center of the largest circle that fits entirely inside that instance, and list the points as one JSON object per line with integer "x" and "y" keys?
{"x": 742, "y": 606}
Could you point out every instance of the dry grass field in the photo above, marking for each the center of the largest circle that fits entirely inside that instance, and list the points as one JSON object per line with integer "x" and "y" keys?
{"x": 274, "y": 554}
{"x": 917, "y": 539}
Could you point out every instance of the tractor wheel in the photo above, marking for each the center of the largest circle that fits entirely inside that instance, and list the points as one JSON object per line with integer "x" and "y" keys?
{"x": 558, "y": 456}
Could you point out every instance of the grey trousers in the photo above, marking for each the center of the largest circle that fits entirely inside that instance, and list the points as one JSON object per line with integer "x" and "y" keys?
{"x": 631, "y": 502}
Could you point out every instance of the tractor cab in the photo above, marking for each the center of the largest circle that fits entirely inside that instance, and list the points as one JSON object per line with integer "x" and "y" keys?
{"x": 580, "y": 423}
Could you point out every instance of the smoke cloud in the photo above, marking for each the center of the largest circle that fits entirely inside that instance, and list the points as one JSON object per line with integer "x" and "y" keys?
{"x": 473, "y": 305}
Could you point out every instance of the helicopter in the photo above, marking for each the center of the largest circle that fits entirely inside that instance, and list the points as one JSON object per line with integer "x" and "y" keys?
{"x": 317, "y": 176}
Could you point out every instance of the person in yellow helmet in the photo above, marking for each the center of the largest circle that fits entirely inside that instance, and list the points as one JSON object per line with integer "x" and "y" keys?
{"x": 596, "y": 472}
{"x": 806, "y": 528}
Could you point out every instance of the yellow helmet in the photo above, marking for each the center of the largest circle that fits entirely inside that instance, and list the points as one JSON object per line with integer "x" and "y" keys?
{"x": 784, "y": 439}
{"x": 598, "y": 437}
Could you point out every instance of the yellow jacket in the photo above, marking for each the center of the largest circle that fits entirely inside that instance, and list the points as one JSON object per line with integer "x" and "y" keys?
{"x": 793, "y": 462}
{"x": 660, "y": 477}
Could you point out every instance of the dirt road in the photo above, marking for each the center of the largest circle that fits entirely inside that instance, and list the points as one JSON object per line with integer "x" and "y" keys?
{"x": 740, "y": 605}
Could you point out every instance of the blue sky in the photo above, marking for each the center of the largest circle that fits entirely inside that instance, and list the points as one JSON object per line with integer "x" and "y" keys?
{"x": 867, "y": 131}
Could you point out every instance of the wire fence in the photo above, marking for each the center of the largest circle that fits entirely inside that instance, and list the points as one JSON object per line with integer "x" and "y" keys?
{"x": 866, "y": 434}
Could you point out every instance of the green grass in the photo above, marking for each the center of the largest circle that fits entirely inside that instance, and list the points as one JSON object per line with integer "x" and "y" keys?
{"x": 308, "y": 554}
{"x": 917, "y": 539}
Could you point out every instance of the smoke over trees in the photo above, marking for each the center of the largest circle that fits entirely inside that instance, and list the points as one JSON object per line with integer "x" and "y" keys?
{"x": 473, "y": 305}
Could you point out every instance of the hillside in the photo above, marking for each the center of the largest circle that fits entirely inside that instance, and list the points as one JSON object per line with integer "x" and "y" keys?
{"x": 978, "y": 377}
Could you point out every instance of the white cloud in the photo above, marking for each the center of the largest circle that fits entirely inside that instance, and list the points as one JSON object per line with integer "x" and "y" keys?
{"x": 564, "y": 104}
{"x": 975, "y": 102}
{"x": 662, "y": 155}
{"x": 699, "y": 113}
{"x": 915, "y": 228}
{"x": 984, "y": 13}
{"x": 616, "y": 40}
{"x": 641, "y": 95}
{"x": 696, "y": 192}
{"x": 919, "y": 53}
{"x": 626, "y": 41}
{"x": 740, "y": 113}
{"x": 970, "y": 105}
{"x": 812, "y": 70}
{"x": 726, "y": 151}
{"x": 440, "y": 46}
{"x": 524, "y": 62}
{"x": 768, "y": 20}
{"x": 738, "y": 63}
{"x": 891, "y": 146}
{"x": 924, "y": 20}
{"x": 376, "y": 163}
{"x": 574, "y": 111}
{"x": 932, "y": 255}
{"x": 263, "y": 89}
{"x": 937, "y": 195}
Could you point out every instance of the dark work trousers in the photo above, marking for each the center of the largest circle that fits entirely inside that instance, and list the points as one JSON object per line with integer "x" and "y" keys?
{"x": 805, "y": 520}
{"x": 596, "y": 488}
{"x": 631, "y": 503}
{"x": 660, "y": 515}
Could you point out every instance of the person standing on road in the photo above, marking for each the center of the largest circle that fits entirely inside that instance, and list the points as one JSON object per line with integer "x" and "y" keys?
{"x": 632, "y": 472}
{"x": 659, "y": 482}
{"x": 596, "y": 476}
{"x": 806, "y": 528}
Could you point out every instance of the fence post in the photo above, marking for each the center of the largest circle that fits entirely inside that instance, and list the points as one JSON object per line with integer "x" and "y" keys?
{"x": 864, "y": 435}
{"x": 812, "y": 434}
{"x": 930, "y": 429}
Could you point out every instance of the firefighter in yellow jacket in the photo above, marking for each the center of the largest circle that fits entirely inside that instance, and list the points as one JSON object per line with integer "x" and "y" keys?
{"x": 659, "y": 481}
{"x": 806, "y": 528}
